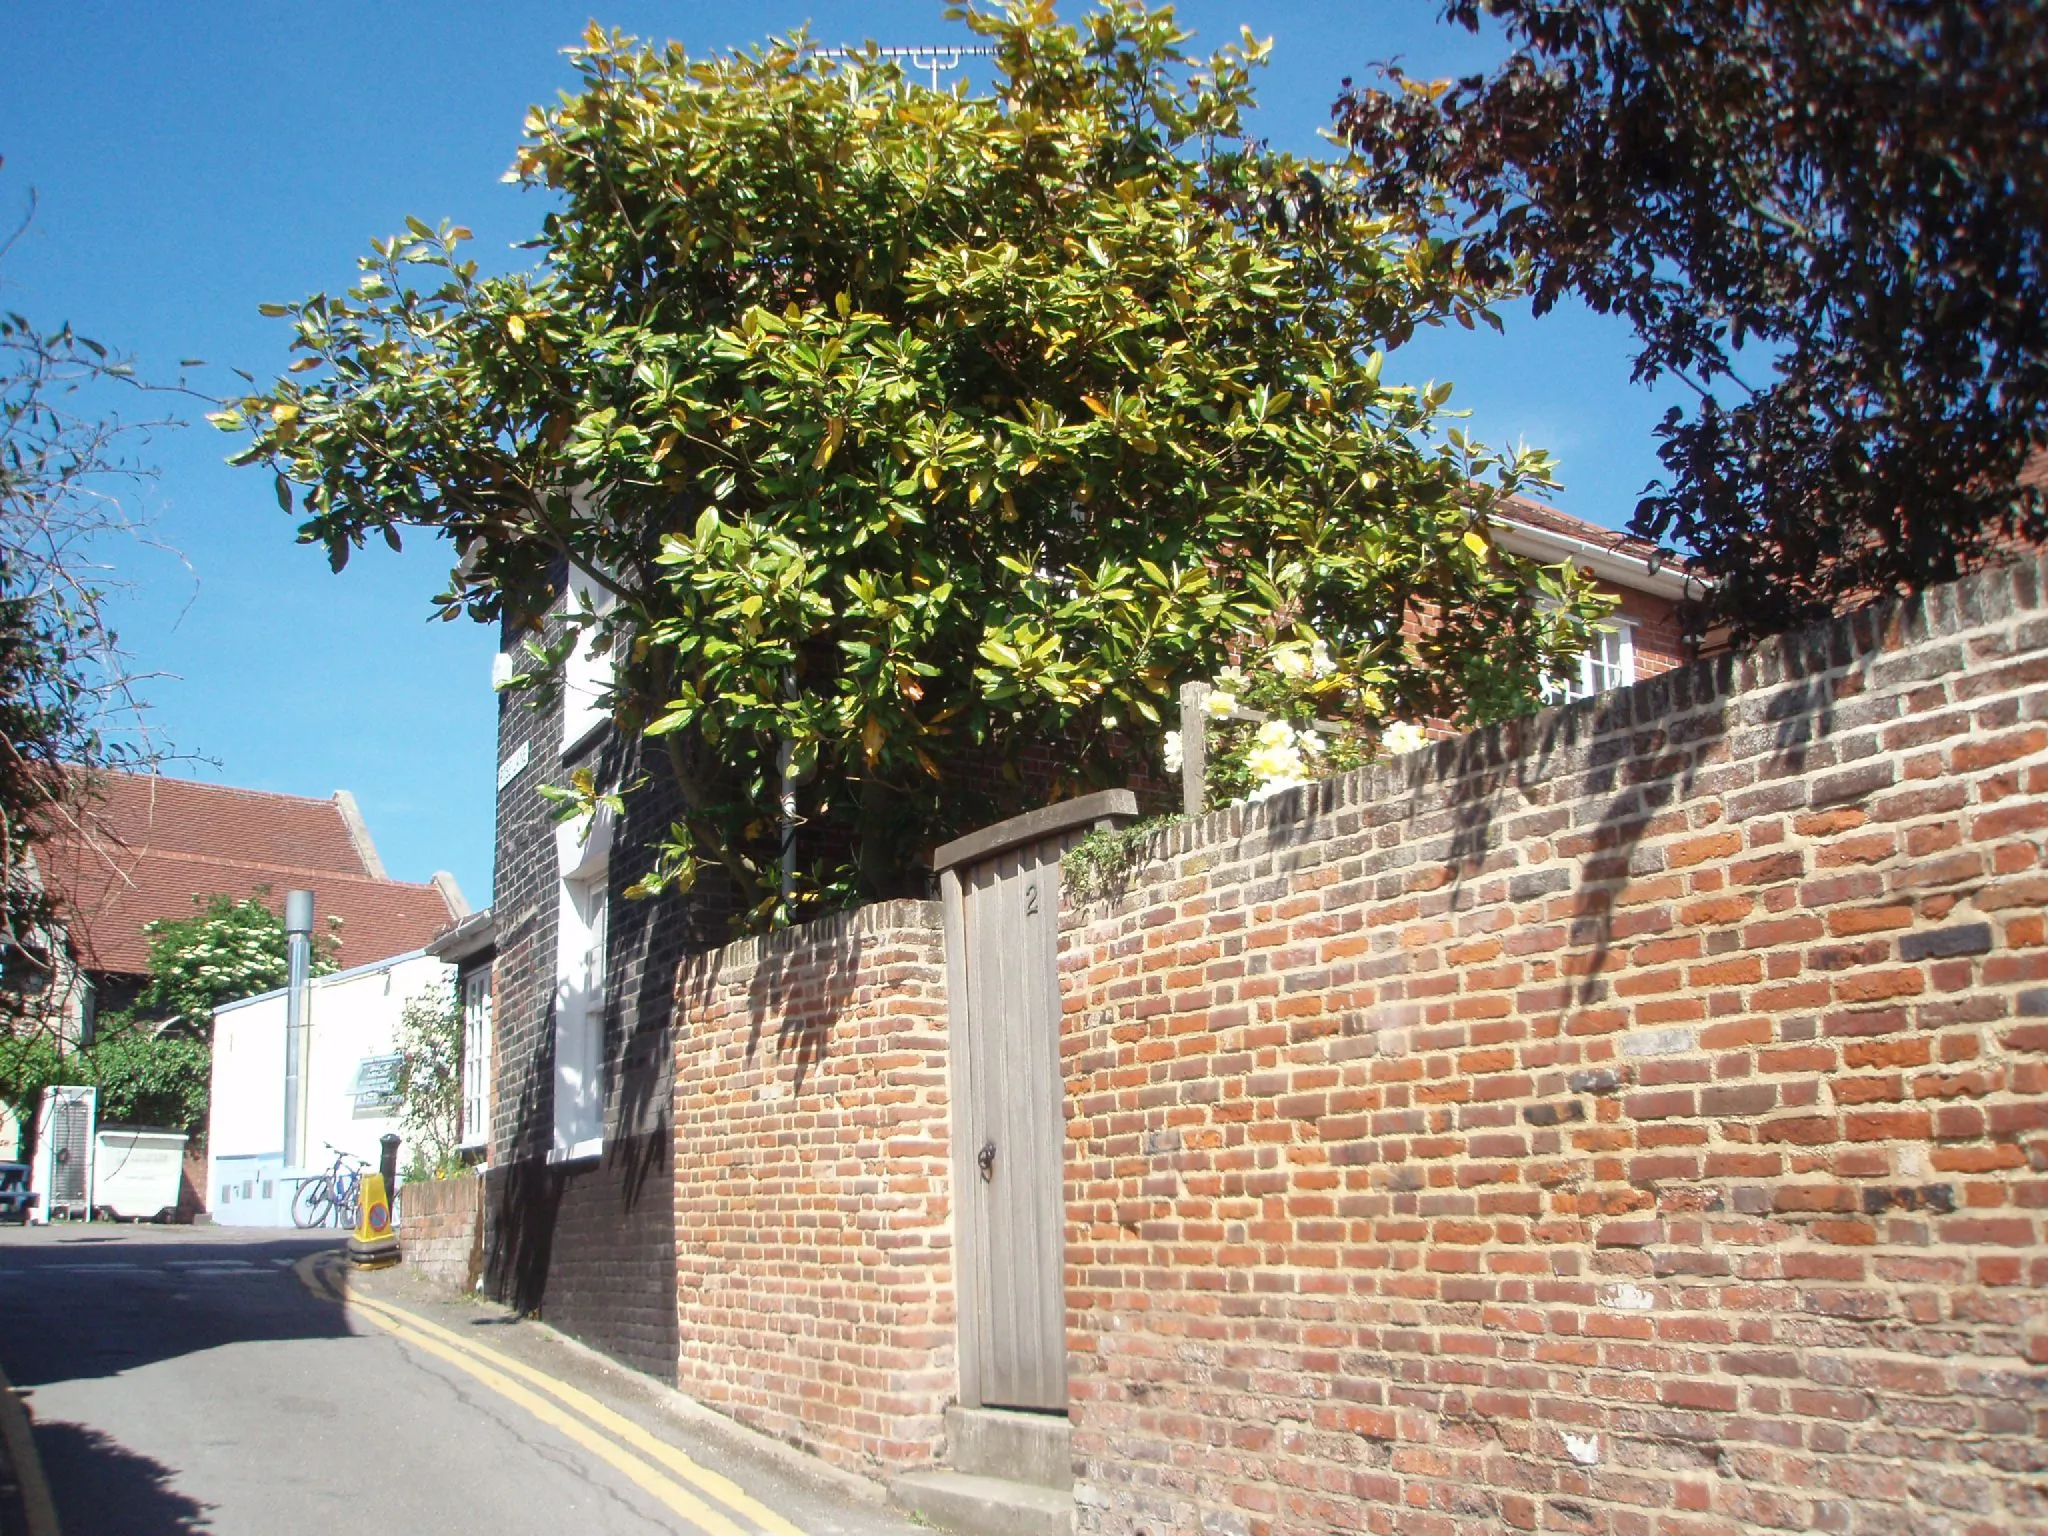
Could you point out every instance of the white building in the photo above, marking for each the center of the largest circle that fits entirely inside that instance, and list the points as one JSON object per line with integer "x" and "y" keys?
{"x": 352, "y": 1035}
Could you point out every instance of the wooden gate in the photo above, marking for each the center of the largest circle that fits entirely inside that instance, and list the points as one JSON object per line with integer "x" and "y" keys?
{"x": 1002, "y": 898}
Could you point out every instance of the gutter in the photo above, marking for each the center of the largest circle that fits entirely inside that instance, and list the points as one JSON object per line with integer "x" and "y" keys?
{"x": 1670, "y": 579}
{"x": 473, "y": 934}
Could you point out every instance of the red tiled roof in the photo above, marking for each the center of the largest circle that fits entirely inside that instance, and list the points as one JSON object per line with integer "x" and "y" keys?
{"x": 149, "y": 845}
{"x": 1534, "y": 514}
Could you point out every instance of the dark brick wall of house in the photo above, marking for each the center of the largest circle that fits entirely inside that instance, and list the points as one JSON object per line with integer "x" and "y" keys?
{"x": 590, "y": 1246}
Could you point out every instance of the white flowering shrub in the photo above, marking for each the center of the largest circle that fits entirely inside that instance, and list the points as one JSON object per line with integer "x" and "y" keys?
{"x": 1321, "y": 720}
{"x": 227, "y": 950}
{"x": 430, "y": 1082}
{"x": 147, "y": 1074}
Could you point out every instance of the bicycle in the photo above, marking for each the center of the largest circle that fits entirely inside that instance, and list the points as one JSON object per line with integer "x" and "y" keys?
{"x": 330, "y": 1198}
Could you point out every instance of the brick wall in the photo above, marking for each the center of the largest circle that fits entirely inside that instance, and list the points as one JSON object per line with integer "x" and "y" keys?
{"x": 813, "y": 1245}
{"x": 590, "y": 1245}
{"x": 441, "y": 1229}
{"x": 1657, "y": 638}
{"x": 590, "y": 1248}
{"x": 1631, "y": 1121}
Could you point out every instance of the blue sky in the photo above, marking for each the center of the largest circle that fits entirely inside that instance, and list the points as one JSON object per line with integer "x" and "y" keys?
{"x": 190, "y": 162}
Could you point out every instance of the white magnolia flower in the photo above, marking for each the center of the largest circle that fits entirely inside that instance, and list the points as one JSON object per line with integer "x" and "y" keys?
{"x": 1171, "y": 752}
{"x": 1271, "y": 767}
{"x": 1403, "y": 736}
{"x": 1275, "y": 758}
{"x": 1220, "y": 705}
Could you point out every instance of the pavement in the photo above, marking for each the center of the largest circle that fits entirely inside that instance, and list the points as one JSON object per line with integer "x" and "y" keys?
{"x": 245, "y": 1383}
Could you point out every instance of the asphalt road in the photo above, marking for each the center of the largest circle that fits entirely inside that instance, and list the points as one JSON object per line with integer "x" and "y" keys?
{"x": 191, "y": 1380}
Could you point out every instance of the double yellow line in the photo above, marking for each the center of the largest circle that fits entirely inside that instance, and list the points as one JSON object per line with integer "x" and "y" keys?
{"x": 675, "y": 1480}
{"x": 18, "y": 1436}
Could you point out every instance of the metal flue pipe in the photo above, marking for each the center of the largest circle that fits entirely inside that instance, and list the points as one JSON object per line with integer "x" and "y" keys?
{"x": 298, "y": 934}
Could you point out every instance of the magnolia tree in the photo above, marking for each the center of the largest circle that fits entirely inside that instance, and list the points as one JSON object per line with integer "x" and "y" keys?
{"x": 900, "y": 432}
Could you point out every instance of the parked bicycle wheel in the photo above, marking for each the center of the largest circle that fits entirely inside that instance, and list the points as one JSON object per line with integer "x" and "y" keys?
{"x": 312, "y": 1206}
{"x": 345, "y": 1198}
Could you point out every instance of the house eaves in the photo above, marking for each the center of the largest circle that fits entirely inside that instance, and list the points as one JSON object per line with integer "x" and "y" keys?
{"x": 1671, "y": 579}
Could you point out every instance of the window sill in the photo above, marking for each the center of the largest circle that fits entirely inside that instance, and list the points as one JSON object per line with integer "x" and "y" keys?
{"x": 575, "y": 746}
{"x": 578, "y": 1152}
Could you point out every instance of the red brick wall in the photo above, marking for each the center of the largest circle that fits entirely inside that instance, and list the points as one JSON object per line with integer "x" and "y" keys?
{"x": 1628, "y": 1121}
{"x": 813, "y": 1233}
{"x": 440, "y": 1229}
{"x": 1657, "y": 638}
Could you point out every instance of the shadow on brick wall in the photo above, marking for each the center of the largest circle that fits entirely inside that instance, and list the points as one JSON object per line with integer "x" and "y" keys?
{"x": 521, "y": 1201}
{"x": 806, "y": 1011}
{"x": 1640, "y": 748}
{"x": 804, "y": 978}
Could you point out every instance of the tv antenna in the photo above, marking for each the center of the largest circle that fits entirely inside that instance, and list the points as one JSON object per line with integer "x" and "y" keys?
{"x": 932, "y": 60}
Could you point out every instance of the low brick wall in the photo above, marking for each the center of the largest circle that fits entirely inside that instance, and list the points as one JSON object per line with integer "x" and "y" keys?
{"x": 440, "y": 1229}
{"x": 813, "y": 1237}
{"x": 192, "y": 1181}
{"x": 1632, "y": 1120}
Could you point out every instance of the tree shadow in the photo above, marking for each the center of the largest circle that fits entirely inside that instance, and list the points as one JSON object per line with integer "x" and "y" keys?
{"x": 803, "y": 977}
{"x": 1624, "y": 759}
{"x": 522, "y": 1202}
{"x": 102, "y": 1488}
{"x": 67, "y": 1306}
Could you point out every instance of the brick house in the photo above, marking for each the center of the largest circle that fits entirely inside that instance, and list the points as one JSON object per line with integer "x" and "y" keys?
{"x": 1629, "y": 1117}
{"x": 578, "y": 1191}
{"x": 147, "y": 846}
{"x": 580, "y": 1201}
{"x": 1646, "y": 634}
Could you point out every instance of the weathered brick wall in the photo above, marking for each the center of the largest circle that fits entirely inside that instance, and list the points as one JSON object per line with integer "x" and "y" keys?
{"x": 441, "y": 1229}
{"x": 1631, "y": 1120}
{"x": 1657, "y": 638}
{"x": 813, "y": 1236}
{"x": 590, "y": 1245}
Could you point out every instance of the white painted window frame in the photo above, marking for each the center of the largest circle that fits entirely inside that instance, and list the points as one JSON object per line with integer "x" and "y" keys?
{"x": 1622, "y": 633}
{"x": 583, "y": 853}
{"x": 476, "y": 1060}
{"x": 587, "y": 672}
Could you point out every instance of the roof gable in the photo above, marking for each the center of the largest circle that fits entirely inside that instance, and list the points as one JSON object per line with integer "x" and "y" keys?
{"x": 148, "y": 846}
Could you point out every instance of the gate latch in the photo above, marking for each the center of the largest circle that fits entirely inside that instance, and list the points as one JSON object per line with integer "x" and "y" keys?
{"x": 986, "y": 1160}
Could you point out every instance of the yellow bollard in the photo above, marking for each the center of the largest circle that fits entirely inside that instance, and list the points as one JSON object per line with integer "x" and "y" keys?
{"x": 374, "y": 1242}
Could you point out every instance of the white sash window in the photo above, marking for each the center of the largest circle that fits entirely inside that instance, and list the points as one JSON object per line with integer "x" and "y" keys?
{"x": 476, "y": 1059}
{"x": 587, "y": 673}
{"x": 1608, "y": 663}
{"x": 583, "y": 850}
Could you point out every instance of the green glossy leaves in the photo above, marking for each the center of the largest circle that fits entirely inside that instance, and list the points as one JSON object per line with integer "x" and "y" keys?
{"x": 926, "y": 442}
